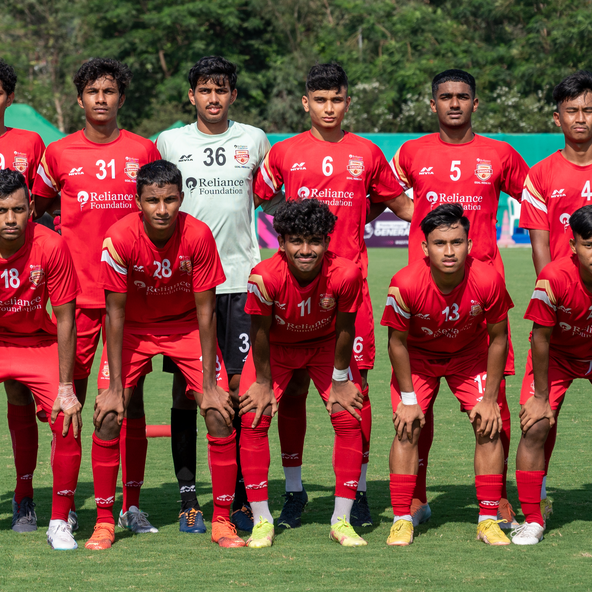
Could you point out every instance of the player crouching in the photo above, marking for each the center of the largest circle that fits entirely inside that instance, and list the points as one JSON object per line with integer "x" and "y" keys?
{"x": 560, "y": 351}
{"x": 440, "y": 312}
{"x": 160, "y": 268}
{"x": 36, "y": 266}
{"x": 303, "y": 304}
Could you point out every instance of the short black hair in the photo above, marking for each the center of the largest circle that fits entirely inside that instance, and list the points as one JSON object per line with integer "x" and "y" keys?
{"x": 581, "y": 222}
{"x": 446, "y": 215}
{"x": 453, "y": 76}
{"x": 304, "y": 217}
{"x": 326, "y": 77}
{"x": 11, "y": 181}
{"x": 159, "y": 173}
{"x": 573, "y": 86}
{"x": 7, "y": 77}
{"x": 214, "y": 68}
{"x": 100, "y": 67}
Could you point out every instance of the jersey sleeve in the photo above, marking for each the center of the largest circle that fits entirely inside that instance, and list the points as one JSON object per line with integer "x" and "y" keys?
{"x": 260, "y": 293}
{"x": 114, "y": 265}
{"x": 542, "y": 308}
{"x": 207, "y": 270}
{"x": 400, "y": 165}
{"x": 47, "y": 183}
{"x": 383, "y": 184}
{"x": 153, "y": 152}
{"x": 498, "y": 301}
{"x": 350, "y": 289}
{"x": 38, "y": 151}
{"x": 62, "y": 281}
{"x": 533, "y": 213}
{"x": 397, "y": 312}
{"x": 515, "y": 171}
{"x": 268, "y": 178}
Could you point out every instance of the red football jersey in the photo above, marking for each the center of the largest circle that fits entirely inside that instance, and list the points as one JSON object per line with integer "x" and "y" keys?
{"x": 340, "y": 174}
{"x": 472, "y": 174}
{"x": 160, "y": 282}
{"x": 98, "y": 187}
{"x": 554, "y": 189}
{"x": 446, "y": 325}
{"x": 21, "y": 150}
{"x": 39, "y": 271}
{"x": 303, "y": 316}
{"x": 561, "y": 300}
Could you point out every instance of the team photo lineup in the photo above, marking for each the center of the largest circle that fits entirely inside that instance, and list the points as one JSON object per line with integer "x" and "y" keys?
{"x": 151, "y": 249}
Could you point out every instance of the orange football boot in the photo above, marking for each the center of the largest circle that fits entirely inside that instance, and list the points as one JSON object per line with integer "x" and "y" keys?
{"x": 224, "y": 533}
{"x": 102, "y": 538}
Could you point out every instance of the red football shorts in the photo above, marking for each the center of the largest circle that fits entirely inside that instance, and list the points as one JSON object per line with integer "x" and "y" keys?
{"x": 364, "y": 344}
{"x": 89, "y": 322}
{"x": 466, "y": 377}
{"x": 103, "y": 375}
{"x": 184, "y": 349}
{"x": 562, "y": 372}
{"x": 319, "y": 361}
{"x": 35, "y": 366}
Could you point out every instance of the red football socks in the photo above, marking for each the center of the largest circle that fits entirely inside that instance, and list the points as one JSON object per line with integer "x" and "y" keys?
{"x": 292, "y": 429}
{"x": 22, "y": 423}
{"x": 222, "y": 461}
{"x": 347, "y": 454}
{"x": 423, "y": 449}
{"x": 489, "y": 493}
{"x": 402, "y": 487}
{"x": 366, "y": 414}
{"x": 529, "y": 493}
{"x": 105, "y": 465}
{"x": 133, "y": 446}
{"x": 65, "y": 463}
{"x": 255, "y": 458}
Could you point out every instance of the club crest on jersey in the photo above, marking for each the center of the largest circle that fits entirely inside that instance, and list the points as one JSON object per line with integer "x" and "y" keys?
{"x": 20, "y": 163}
{"x": 484, "y": 169}
{"x": 241, "y": 154}
{"x": 355, "y": 166}
{"x": 132, "y": 166}
{"x": 476, "y": 310}
{"x": 185, "y": 264}
{"x": 37, "y": 275}
{"x": 327, "y": 302}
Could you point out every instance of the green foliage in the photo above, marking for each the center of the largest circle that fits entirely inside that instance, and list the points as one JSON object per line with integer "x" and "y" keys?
{"x": 518, "y": 50}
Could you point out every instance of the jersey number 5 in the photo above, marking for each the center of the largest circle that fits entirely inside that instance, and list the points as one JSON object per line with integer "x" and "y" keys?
{"x": 455, "y": 170}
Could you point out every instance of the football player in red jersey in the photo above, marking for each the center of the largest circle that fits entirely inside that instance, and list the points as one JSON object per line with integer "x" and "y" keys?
{"x": 554, "y": 189}
{"x": 457, "y": 165}
{"x": 20, "y": 150}
{"x": 160, "y": 268}
{"x": 303, "y": 303}
{"x": 447, "y": 318}
{"x": 341, "y": 170}
{"x": 95, "y": 171}
{"x": 35, "y": 266}
{"x": 560, "y": 352}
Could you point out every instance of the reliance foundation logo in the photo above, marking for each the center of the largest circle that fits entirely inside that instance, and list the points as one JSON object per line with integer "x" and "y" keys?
{"x": 468, "y": 202}
{"x": 105, "y": 200}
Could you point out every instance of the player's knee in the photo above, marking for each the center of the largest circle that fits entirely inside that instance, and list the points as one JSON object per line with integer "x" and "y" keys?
{"x": 17, "y": 393}
{"x": 216, "y": 425}
{"x": 536, "y": 436}
{"x": 110, "y": 427}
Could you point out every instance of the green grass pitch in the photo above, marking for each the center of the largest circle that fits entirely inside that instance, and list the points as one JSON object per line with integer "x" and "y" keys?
{"x": 444, "y": 556}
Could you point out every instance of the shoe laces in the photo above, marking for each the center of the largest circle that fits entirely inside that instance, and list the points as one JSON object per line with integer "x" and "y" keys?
{"x": 102, "y": 530}
{"x": 141, "y": 518}
{"x": 528, "y": 529}
{"x": 190, "y": 516}
{"x": 293, "y": 505}
{"x": 26, "y": 510}
{"x": 65, "y": 528}
{"x": 342, "y": 524}
{"x": 400, "y": 525}
{"x": 226, "y": 524}
{"x": 506, "y": 506}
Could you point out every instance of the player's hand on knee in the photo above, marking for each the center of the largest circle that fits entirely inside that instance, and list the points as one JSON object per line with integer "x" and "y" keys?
{"x": 346, "y": 394}
{"x": 67, "y": 402}
{"x": 490, "y": 418}
{"x": 257, "y": 399}
{"x": 534, "y": 410}
{"x": 217, "y": 398}
{"x": 405, "y": 417}
{"x": 109, "y": 401}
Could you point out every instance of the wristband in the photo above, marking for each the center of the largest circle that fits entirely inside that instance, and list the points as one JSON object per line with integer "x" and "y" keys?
{"x": 409, "y": 398}
{"x": 66, "y": 396}
{"x": 340, "y": 375}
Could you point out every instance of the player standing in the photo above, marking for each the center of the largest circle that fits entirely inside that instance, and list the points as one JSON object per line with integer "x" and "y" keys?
{"x": 217, "y": 158}
{"x": 95, "y": 171}
{"x": 341, "y": 170}
{"x": 303, "y": 303}
{"x": 35, "y": 266}
{"x": 456, "y": 165}
{"x": 560, "y": 351}
{"x": 555, "y": 188}
{"x": 160, "y": 269}
{"x": 447, "y": 318}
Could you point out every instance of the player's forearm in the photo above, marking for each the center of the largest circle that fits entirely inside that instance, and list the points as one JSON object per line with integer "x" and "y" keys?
{"x": 261, "y": 348}
{"x": 402, "y": 207}
{"x": 345, "y": 331}
{"x": 114, "y": 322}
{"x": 400, "y": 361}
{"x": 66, "y": 331}
{"x": 496, "y": 362}
{"x": 541, "y": 250}
{"x": 375, "y": 210}
{"x": 540, "y": 345}
{"x": 41, "y": 205}
{"x": 270, "y": 206}
{"x": 207, "y": 338}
